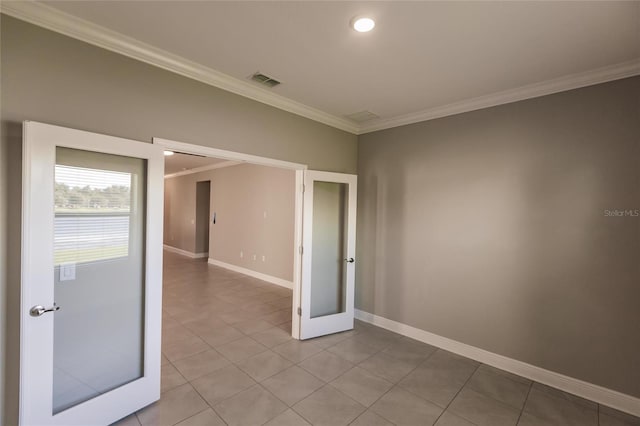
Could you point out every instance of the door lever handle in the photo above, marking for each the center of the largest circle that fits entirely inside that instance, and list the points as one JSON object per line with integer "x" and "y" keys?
{"x": 39, "y": 310}
{"x": 350, "y": 260}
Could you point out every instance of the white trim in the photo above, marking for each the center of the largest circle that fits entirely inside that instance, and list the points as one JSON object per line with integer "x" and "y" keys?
{"x": 72, "y": 26}
{"x": 203, "y": 169}
{"x": 297, "y": 254}
{"x": 190, "y": 254}
{"x": 81, "y": 29}
{"x": 562, "y": 84}
{"x": 259, "y": 275}
{"x": 599, "y": 394}
{"x": 207, "y": 151}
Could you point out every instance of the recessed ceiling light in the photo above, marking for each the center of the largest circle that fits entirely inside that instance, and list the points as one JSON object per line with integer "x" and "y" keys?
{"x": 362, "y": 24}
{"x": 168, "y": 153}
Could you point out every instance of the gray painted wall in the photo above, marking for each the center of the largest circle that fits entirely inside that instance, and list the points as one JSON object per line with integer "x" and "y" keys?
{"x": 11, "y": 142}
{"x": 4, "y": 178}
{"x": 55, "y": 79}
{"x": 489, "y": 228}
{"x": 179, "y": 211}
{"x": 240, "y": 195}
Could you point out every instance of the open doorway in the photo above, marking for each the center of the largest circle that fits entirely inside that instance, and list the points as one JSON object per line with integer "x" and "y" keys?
{"x": 240, "y": 217}
{"x": 203, "y": 207}
{"x": 308, "y": 282}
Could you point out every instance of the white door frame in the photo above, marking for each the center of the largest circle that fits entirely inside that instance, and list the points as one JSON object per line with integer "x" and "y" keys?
{"x": 206, "y": 151}
{"x": 37, "y": 271}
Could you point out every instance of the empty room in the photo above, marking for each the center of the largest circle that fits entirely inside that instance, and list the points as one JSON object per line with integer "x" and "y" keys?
{"x": 320, "y": 213}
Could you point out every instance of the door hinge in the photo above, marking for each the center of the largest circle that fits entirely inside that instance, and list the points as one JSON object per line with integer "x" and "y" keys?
{"x": 301, "y": 250}
{"x": 299, "y": 311}
{"x": 304, "y": 188}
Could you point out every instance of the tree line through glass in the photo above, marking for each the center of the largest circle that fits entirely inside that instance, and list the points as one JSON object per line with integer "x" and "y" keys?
{"x": 92, "y": 214}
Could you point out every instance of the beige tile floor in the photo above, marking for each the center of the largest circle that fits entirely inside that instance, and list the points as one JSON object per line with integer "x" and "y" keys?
{"x": 228, "y": 359}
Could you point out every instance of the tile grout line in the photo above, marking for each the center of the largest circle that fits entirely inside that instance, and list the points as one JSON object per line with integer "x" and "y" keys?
{"x": 357, "y": 365}
{"x": 186, "y": 381}
{"x": 196, "y": 391}
{"x": 456, "y": 395}
{"x": 203, "y": 398}
{"x": 290, "y": 407}
{"x": 274, "y": 374}
{"x": 407, "y": 390}
{"x": 179, "y": 372}
{"x": 193, "y": 415}
{"x": 308, "y": 396}
{"x": 403, "y": 377}
{"x": 524, "y": 404}
{"x": 394, "y": 385}
{"x": 256, "y": 382}
{"x": 208, "y": 405}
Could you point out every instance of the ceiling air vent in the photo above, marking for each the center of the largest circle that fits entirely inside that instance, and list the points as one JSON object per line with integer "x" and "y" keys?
{"x": 265, "y": 80}
{"x": 362, "y": 116}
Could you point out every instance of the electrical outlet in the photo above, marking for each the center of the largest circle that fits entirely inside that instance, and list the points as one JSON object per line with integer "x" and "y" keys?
{"x": 264, "y": 214}
{"x": 264, "y": 258}
{"x": 241, "y": 254}
{"x": 255, "y": 257}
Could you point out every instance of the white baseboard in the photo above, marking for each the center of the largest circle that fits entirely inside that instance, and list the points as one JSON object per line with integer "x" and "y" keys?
{"x": 190, "y": 254}
{"x": 599, "y": 394}
{"x": 264, "y": 277}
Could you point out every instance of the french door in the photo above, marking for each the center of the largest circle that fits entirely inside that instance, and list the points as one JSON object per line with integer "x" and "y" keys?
{"x": 329, "y": 244}
{"x": 91, "y": 297}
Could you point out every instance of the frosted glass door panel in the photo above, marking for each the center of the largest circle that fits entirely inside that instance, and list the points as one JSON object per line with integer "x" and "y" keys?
{"x": 328, "y": 280}
{"x": 328, "y": 257}
{"x": 99, "y": 253}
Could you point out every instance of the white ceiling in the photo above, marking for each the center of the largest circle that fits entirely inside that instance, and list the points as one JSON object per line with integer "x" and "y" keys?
{"x": 420, "y": 56}
{"x": 183, "y": 162}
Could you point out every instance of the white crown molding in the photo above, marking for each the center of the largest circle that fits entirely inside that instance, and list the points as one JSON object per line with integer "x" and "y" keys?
{"x": 569, "y": 82}
{"x": 203, "y": 169}
{"x": 610, "y": 398}
{"x": 72, "y": 26}
{"x": 250, "y": 272}
{"x": 78, "y": 28}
